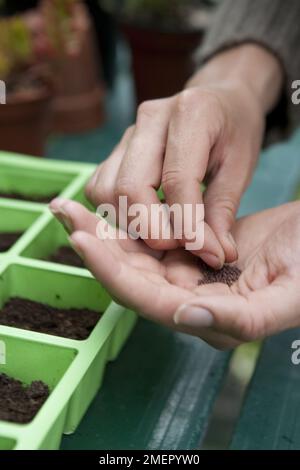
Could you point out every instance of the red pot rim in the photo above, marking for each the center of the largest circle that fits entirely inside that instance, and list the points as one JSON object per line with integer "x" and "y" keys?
{"x": 32, "y": 95}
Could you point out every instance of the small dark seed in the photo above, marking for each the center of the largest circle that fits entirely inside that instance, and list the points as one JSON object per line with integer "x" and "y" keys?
{"x": 227, "y": 275}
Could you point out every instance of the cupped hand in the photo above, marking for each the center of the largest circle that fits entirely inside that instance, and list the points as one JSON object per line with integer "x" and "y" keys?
{"x": 211, "y": 132}
{"x": 207, "y": 134}
{"x": 163, "y": 286}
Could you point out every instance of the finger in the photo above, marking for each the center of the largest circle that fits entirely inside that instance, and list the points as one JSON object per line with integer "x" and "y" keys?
{"x": 245, "y": 317}
{"x": 188, "y": 149}
{"x": 139, "y": 174}
{"x": 89, "y": 189}
{"x": 101, "y": 187}
{"x": 217, "y": 339}
{"x": 182, "y": 268}
{"x": 114, "y": 279}
{"x": 152, "y": 298}
{"x": 74, "y": 216}
{"x": 223, "y": 194}
{"x": 250, "y": 232}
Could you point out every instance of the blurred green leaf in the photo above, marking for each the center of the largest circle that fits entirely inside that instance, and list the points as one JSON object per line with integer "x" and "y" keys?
{"x": 15, "y": 45}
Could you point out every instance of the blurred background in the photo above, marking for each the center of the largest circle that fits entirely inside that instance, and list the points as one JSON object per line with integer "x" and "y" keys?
{"x": 75, "y": 70}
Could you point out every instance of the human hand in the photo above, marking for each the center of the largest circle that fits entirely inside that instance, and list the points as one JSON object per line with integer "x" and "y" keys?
{"x": 266, "y": 298}
{"x": 211, "y": 132}
{"x": 163, "y": 286}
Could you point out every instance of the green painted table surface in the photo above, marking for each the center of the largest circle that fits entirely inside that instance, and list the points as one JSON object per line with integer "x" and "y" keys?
{"x": 270, "y": 418}
{"x": 158, "y": 394}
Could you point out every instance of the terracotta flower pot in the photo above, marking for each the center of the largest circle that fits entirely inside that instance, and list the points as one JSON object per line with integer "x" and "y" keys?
{"x": 78, "y": 104}
{"x": 161, "y": 61}
{"x": 25, "y": 123}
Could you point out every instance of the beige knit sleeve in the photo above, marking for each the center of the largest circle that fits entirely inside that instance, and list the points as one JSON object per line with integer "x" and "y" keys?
{"x": 274, "y": 24}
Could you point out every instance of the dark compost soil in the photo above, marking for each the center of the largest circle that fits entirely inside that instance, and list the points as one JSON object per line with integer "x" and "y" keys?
{"x": 8, "y": 239}
{"x": 69, "y": 323}
{"x": 20, "y": 403}
{"x": 227, "y": 275}
{"x": 66, "y": 255}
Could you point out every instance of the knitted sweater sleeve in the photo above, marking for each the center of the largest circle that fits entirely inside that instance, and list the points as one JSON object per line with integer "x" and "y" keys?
{"x": 273, "y": 24}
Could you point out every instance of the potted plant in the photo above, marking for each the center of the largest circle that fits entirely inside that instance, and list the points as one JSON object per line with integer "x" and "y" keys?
{"x": 51, "y": 78}
{"x": 78, "y": 104}
{"x": 24, "y": 117}
{"x": 162, "y": 35}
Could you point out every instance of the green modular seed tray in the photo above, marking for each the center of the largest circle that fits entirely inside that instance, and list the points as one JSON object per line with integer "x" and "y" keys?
{"x": 72, "y": 369}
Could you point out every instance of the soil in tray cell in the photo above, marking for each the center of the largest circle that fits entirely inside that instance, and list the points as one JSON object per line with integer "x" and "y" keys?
{"x": 227, "y": 275}
{"x": 19, "y": 403}
{"x": 69, "y": 323}
{"x": 66, "y": 255}
{"x": 30, "y": 198}
{"x": 8, "y": 239}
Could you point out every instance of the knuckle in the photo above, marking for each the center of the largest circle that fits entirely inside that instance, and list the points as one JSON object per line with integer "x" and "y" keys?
{"x": 206, "y": 98}
{"x": 99, "y": 192}
{"x": 102, "y": 193}
{"x": 125, "y": 187}
{"x": 186, "y": 100}
{"x": 202, "y": 105}
{"x": 226, "y": 204}
{"x": 210, "y": 100}
{"x": 147, "y": 110}
{"x": 171, "y": 181}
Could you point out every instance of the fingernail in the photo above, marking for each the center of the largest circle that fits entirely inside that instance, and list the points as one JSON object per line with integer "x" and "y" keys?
{"x": 190, "y": 315}
{"x": 76, "y": 248}
{"x": 57, "y": 203}
{"x": 212, "y": 260}
{"x": 60, "y": 213}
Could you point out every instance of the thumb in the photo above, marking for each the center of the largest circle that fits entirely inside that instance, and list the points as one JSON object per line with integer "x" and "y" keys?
{"x": 221, "y": 200}
{"x": 245, "y": 317}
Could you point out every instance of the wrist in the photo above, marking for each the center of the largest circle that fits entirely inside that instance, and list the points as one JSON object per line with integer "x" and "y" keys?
{"x": 248, "y": 65}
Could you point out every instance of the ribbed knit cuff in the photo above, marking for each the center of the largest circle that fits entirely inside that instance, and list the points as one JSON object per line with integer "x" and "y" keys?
{"x": 273, "y": 24}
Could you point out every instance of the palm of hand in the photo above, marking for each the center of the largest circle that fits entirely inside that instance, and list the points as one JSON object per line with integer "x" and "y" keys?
{"x": 157, "y": 283}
